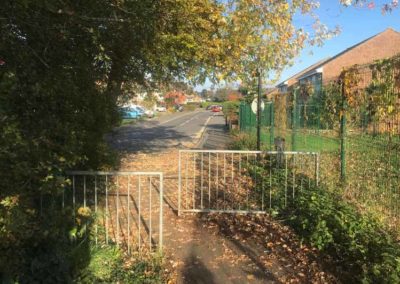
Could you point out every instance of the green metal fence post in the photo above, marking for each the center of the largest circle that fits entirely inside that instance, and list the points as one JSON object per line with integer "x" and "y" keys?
{"x": 294, "y": 118}
{"x": 240, "y": 117}
{"x": 343, "y": 136}
{"x": 271, "y": 134}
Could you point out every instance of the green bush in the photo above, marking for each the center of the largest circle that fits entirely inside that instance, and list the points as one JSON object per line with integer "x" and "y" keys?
{"x": 243, "y": 141}
{"x": 206, "y": 104}
{"x": 109, "y": 265}
{"x": 363, "y": 250}
{"x": 359, "y": 242}
{"x": 190, "y": 107}
{"x": 231, "y": 109}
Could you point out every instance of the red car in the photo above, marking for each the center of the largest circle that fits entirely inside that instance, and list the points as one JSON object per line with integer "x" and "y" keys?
{"x": 216, "y": 109}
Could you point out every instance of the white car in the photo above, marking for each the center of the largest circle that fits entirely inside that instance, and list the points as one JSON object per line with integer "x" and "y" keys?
{"x": 161, "y": 109}
{"x": 149, "y": 113}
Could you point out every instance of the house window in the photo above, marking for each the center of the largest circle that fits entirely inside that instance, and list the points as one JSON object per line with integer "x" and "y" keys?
{"x": 317, "y": 82}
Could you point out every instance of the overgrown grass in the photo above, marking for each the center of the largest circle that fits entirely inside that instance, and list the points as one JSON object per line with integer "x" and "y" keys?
{"x": 97, "y": 262}
{"x": 304, "y": 141}
{"x": 109, "y": 264}
{"x": 128, "y": 121}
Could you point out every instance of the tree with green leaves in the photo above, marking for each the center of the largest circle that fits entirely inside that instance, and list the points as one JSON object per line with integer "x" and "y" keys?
{"x": 63, "y": 67}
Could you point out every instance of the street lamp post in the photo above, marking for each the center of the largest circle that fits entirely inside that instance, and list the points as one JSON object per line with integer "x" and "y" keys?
{"x": 259, "y": 110}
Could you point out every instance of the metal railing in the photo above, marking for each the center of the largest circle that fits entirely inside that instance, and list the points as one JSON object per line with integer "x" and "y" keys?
{"x": 127, "y": 206}
{"x": 235, "y": 181}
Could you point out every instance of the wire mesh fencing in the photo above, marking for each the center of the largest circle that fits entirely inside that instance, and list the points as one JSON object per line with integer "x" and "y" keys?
{"x": 248, "y": 122}
{"x": 354, "y": 123}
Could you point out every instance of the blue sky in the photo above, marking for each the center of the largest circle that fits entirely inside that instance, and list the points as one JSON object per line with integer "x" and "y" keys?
{"x": 356, "y": 25}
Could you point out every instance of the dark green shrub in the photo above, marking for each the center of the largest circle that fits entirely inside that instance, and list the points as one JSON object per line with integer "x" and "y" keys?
{"x": 358, "y": 242}
{"x": 363, "y": 250}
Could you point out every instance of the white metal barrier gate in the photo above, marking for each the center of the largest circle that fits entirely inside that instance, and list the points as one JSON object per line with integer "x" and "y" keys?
{"x": 242, "y": 181}
{"x": 128, "y": 206}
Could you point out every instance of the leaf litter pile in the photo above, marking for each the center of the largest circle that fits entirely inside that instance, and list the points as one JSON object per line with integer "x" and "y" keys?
{"x": 200, "y": 248}
{"x": 276, "y": 248}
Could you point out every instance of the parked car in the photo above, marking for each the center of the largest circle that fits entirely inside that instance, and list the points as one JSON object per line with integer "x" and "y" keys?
{"x": 209, "y": 107}
{"x": 144, "y": 111}
{"x": 129, "y": 113}
{"x": 216, "y": 108}
{"x": 178, "y": 108}
{"x": 140, "y": 110}
{"x": 161, "y": 109}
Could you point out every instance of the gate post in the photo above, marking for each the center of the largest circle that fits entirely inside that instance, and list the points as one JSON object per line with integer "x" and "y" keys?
{"x": 271, "y": 134}
{"x": 294, "y": 118}
{"x": 161, "y": 212}
{"x": 179, "y": 184}
{"x": 343, "y": 135}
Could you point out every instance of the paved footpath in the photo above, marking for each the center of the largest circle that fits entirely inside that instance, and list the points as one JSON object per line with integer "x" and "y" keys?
{"x": 224, "y": 248}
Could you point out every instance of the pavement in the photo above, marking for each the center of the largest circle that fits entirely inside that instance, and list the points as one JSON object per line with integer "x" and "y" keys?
{"x": 221, "y": 248}
{"x": 197, "y": 129}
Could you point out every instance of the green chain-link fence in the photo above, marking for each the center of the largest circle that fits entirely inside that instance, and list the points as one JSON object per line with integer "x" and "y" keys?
{"x": 354, "y": 123}
{"x": 248, "y": 122}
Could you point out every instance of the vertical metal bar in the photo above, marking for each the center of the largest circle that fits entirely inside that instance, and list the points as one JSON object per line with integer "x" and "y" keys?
{"x": 139, "y": 214}
{"x": 232, "y": 182}
{"x": 270, "y": 182}
{"x": 209, "y": 180}
{"x": 272, "y": 113}
{"x": 95, "y": 207}
{"x": 161, "y": 212}
{"x": 107, "y": 210}
{"x": 294, "y": 175}
{"x": 343, "y": 135}
{"x": 294, "y": 119}
{"x": 255, "y": 173}
{"x": 286, "y": 179}
{"x": 309, "y": 168}
{"x": 240, "y": 178}
{"x": 150, "y": 218}
{"x": 248, "y": 188}
{"x": 117, "y": 187}
{"x": 186, "y": 180}
{"x": 129, "y": 214}
{"x": 217, "y": 181}
{"x": 224, "y": 178}
{"x": 201, "y": 181}
{"x": 262, "y": 194}
{"x": 302, "y": 173}
{"x": 194, "y": 180}
{"x": 179, "y": 184}
{"x": 84, "y": 191}
{"x": 317, "y": 168}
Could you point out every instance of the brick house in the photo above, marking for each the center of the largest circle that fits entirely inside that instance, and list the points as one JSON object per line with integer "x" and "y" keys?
{"x": 285, "y": 85}
{"x": 383, "y": 45}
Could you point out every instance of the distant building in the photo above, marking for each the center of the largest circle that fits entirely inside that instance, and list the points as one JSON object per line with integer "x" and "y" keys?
{"x": 383, "y": 45}
{"x": 194, "y": 99}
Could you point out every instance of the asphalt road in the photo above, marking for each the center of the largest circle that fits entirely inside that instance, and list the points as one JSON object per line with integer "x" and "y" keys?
{"x": 197, "y": 129}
